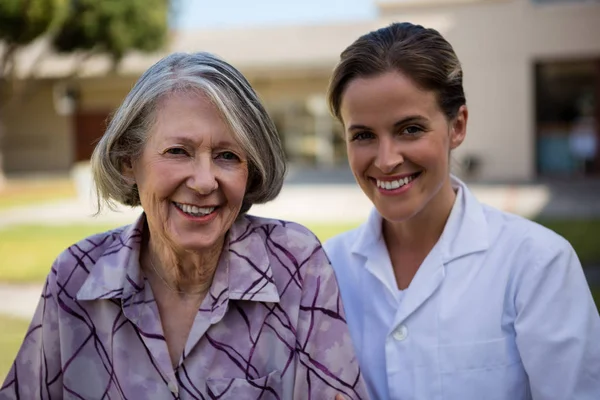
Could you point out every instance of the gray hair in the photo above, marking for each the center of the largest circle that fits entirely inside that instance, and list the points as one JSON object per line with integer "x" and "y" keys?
{"x": 233, "y": 96}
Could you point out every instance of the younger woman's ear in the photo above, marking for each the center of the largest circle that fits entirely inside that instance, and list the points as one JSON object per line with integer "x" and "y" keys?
{"x": 458, "y": 128}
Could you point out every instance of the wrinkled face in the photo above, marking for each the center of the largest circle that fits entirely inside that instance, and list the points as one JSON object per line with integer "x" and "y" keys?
{"x": 398, "y": 142}
{"x": 191, "y": 175}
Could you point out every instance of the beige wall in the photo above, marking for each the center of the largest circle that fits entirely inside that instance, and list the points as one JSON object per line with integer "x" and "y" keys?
{"x": 36, "y": 139}
{"x": 39, "y": 140}
{"x": 293, "y": 88}
{"x": 101, "y": 94}
{"x": 498, "y": 43}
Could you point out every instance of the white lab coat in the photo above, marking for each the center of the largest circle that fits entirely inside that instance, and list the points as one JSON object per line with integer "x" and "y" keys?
{"x": 499, "y": 310}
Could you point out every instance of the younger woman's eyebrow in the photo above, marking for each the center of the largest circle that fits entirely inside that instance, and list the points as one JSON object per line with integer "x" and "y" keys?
{"x": 359, "y": 127}
{"x": 406, "y": 120}
{"x": 410, "y": 119}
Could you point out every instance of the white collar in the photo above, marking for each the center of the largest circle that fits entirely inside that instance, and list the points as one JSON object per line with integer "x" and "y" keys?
{"x": 465, "y": 231}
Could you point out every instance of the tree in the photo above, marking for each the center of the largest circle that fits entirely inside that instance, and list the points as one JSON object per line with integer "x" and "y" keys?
{"x": 89, "y": 27}
{"x": 21, "y": 22}
{"x": 113, "y": 27}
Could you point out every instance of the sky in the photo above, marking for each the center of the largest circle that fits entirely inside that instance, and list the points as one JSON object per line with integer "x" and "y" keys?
{"x": 199, "y": 14}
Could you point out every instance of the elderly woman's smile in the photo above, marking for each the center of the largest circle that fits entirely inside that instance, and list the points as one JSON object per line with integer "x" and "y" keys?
{"x": 195, "y": 211}
{"x": 191, "y": 175}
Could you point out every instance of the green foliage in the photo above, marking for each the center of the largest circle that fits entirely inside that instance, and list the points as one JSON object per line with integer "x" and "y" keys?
{"x": 22, "y": 21}
{"x": 114, "y": 26}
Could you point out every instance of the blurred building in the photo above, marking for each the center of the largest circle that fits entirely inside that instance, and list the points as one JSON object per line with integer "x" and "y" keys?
{"x": 532, "y": 78}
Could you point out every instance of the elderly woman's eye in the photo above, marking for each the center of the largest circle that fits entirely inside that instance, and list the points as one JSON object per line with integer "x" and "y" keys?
{"x": 176, "y": 151}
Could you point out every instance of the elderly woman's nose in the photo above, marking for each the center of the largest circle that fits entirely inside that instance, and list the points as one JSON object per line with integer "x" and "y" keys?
{"x": 202, "y": 177}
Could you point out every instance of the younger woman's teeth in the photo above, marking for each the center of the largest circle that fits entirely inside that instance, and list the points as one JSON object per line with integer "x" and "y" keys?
{"x": 391, "y": 185}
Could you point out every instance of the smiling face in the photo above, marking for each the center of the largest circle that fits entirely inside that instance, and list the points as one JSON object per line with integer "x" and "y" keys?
{"x": 398, "y": 142}
{"x": 191, "y": 176}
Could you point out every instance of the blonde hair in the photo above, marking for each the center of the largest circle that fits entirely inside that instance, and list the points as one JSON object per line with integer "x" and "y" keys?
{"x": 233, "y": 96}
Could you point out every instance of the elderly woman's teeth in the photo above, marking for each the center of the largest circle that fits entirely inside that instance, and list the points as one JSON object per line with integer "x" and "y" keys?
{"x": 195, "y": 211}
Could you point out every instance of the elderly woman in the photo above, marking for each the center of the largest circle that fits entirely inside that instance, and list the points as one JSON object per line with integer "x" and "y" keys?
{"x": 195, "y": 299}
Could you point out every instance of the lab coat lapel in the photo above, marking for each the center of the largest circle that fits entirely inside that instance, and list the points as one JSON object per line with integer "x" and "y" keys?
{"x": 370, "y": 245}
{"x": 425, "y": 283}
{"x": 466, "y": 232}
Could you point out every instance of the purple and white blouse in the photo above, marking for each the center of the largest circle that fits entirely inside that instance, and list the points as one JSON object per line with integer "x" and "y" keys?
{"x": 271, "y": 327}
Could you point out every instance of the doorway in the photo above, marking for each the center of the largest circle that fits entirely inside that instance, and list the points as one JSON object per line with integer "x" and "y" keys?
{"x": 568, "y": 118}
{"x": 89, "y": 128}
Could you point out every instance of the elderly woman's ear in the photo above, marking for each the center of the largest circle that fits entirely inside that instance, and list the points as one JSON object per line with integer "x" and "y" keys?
{"x": 131, "y": 197}
{"x": 127, "y": 171}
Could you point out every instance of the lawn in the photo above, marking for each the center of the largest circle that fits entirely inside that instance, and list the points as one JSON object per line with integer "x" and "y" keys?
{"x": 326, "y": 231}
{"x": 584, "y": 236}
{"x": 27, "y": 252}
{"x": 35, "y": 191}
{"x": 13, "y": 331}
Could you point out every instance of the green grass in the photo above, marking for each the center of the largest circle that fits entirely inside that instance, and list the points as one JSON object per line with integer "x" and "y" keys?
{"x": 582, "y": 234}
{"x": 11, "y": 336}
{"x": 326, "y": 231}
{"x": 18, "y": 193}
{"x": 596, "y": 295}
{"x": 27, "y": 252}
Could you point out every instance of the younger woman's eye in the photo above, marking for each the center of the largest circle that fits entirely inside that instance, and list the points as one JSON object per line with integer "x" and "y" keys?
{"x": 412, "y": 130}
{"x": 228, "y": 156}
{"x": 364, "y": 135}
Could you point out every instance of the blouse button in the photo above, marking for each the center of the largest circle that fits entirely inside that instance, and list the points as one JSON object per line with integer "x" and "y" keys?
{"x": 400, "y": 333}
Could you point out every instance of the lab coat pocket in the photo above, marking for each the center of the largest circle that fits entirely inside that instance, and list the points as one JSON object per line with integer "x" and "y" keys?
{"x": 489, "y": 370}
{"x": 264, "y": 388}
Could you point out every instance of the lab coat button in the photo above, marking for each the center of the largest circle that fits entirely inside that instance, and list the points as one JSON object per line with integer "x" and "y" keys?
{"x": 400, "y": 333}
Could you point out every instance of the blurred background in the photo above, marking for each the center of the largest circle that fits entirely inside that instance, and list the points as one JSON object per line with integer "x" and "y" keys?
{"x": 532, "y": 80}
